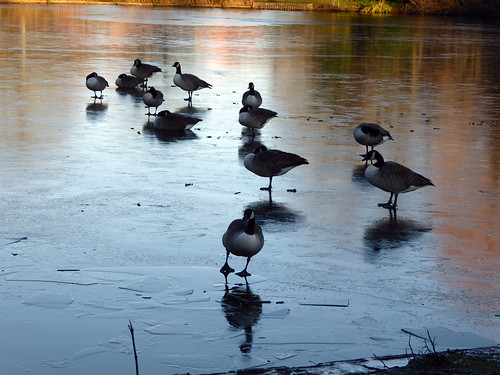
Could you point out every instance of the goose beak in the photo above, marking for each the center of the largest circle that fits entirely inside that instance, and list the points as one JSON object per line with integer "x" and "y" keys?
{"x": 364, "y": 157}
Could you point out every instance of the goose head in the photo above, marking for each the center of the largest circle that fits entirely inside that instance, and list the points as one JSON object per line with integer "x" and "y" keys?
{"x": 137, "y": 62}
{"x": 93, "y": 74}
{"x": 246, "y": 108}
{"x": 163, "y": 113}
{"x": 373, "y": 155}
{"x": 260, "y": 149}
{"x": 248, "y": 214}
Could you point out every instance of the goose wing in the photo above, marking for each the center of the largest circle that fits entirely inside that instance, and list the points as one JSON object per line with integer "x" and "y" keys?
{"x": 399, "y": 178}
{"x": 192, "y": 83}
{"x": 262, "y": 114}
{"x": 273, "y": 162}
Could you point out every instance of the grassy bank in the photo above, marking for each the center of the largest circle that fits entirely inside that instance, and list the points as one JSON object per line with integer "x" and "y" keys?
{"x": 442, "y": 7}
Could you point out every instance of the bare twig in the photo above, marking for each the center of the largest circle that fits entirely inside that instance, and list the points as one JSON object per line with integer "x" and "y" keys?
{"x": 380, "y": 359}
{"x": 433, "y": 343}
{"x": 131, "y": 329}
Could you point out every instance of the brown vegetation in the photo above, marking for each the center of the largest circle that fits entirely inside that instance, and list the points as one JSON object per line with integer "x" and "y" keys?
{"x": 469, "y": 7}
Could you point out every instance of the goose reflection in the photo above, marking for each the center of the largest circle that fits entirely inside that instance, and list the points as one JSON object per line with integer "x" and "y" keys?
{"x": 96, "y": 110}
{"x": 270, "y": 212}
{"x": 392, "y": 232}
{"x": 358, "y": 174}
{"x": 167, "y": 136}
{"x": 133, "y": 92}
{"x": 242, "y": 310}
{"x": 248, "y": 147}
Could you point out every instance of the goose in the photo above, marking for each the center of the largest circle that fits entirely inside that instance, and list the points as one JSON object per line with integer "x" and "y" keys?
{"x": 270, "y": 163}
{"x": 251, "y": 97}
{"x": 165, "y": 120}
{"x": 244, "y": 238}
{"x": 152, "y": 98}
{"x": 125, "y": 81}
{"x": 188, "y": 82}
{"x": 392, "y": 177}
{"x": 96, "y": 83}
{"x": 143, "y": 70}
{"x": 370, "y": 134}
{"x": 255, "y": 118}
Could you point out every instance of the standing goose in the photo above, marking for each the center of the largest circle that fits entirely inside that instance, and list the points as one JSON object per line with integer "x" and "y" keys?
{"x": 125, "y": 81}
{"x": 96, "y": 83}
{"x": 251, "y": 97}
{"x": 243, "y": 238}
{"x": 370, "y": 134}
{"x": 270, "y": 163}
{"x": 143, "y": 71}
{"x": 392, "y": 177}
{"x": 188, "y": 82}
{"x": 165, "y": 120}
{"x": 152, "y": 98}
{"x": 255, "y": 118}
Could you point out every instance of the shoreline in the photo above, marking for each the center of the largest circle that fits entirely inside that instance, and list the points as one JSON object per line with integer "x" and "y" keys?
{"x": 477, "y": 361}
{"x": 360, "y": 7}
{"x": 234, "y": 4}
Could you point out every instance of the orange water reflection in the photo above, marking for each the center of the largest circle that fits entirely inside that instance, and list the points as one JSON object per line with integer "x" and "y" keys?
{"x": 435, "y": 81}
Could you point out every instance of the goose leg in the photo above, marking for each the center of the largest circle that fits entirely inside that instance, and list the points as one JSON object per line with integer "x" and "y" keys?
{"x": 245, "y": 273}
{"x": 226, "y": 270}
{"x": 395, "y": 205}
{"x": 389, "y": 204}
{"x": 269, "y": 187}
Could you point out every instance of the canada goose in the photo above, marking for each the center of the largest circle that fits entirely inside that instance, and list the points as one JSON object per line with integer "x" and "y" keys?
{"x": 255, "y": 118}
{"x": 125, "y": 81}
{"x": 143, "y": 70}
{"x": 152, "y": 98}
{"x": 251, "y": 97}
{"x": 243, "y": 238}
{"x": 370, "y": 134}
{"x": 392, "y": 177}
{"x": 188, "y": 82}
{"x": 165, "y": 120}
{"x": 270, "y": 163}
{"x": 96, "y": 83}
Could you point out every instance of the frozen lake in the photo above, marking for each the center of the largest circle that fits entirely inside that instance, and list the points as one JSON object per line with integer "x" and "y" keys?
{"x": 105, "y": 221}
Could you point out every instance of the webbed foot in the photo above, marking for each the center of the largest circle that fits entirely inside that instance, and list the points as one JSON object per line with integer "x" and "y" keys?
{"x": 243, "y": 273}
{"x": 389, "y": 206}
{"x": 226, "y": 270}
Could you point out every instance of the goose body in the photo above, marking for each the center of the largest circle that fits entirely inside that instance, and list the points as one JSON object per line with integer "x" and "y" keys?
{"x": 270, "y": 163}
{"x": 152, "y": 98}
{"x": 251, "y": 97}
{"x": 255, "y": 118}
{"x": 125, "y": 81}
{"x": 370, "y": 134}
{"x": 165, "y": 120}
{"x": 143, "y": 70}
{"x": 244, "y": 238}
{"x": 188, "y": 82}
{"x": 95, "y": 82}
{"x": 392, "y": 177}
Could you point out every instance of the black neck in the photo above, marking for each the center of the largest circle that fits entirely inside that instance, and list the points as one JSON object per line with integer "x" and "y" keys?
{"x": 250, "y": 227}
{"x": 379, "y": 160}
